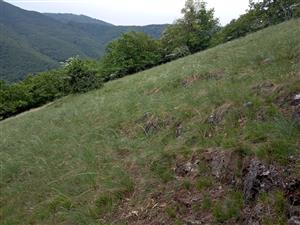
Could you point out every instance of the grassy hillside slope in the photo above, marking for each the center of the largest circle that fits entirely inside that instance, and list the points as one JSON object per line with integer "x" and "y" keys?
{"x": 115, "y": 155}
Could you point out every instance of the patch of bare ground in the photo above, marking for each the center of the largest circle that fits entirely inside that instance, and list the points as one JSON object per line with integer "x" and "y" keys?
{"x": 212, "y": 75}
{"x": 289, "y": 104}
{"x": 203, "y": 188}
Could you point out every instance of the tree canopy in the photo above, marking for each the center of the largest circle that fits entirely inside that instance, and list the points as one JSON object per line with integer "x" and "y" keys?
{"x": 194, "y": 30}
{"x": 132, "y": 52}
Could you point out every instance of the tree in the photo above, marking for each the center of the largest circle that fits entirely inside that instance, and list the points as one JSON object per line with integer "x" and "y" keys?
{"x": 194, "y": 30}
{"x": 132, "y": 52}
{"x": 46, "y": 86}
{"x": 81, "y": 77}
{"x": 261, "y": 14}
{"x": 275, "y": 11}
{"x": 13, "y": 98}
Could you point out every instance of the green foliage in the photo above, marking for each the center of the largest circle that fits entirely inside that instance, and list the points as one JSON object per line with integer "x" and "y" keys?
{"x": 105, "y": 204}
{"x": 277, "y": 204}
{"x": 162, "y": 167}
{"x": 33, "y": 42}
{"x": 60, "y": 202}
{"x": 269, "y": 12}
{"x": 228, "y": 208}
{"x": 178, "y": 52}
{"x": 206, "y": 203}
{"x": 46, "y": 86}
{"x": 261, "y": 14}
{"x": 187, "y": 184}
{"x": 13, "y": 99}
{"x": 84, "y": 146}
{"x": 75, "y": 77}
{"x": 131, "y": 53}
{"x": 237, "y": 28}
{"x": 172, "y": 213}
{"x": 204, "y": 182}
{"x": 81, "y": 78}
{"x": 194, "y": 30}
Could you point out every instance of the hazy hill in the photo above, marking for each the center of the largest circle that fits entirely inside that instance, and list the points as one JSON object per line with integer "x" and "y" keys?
{"x": 32, "y": 42}
{"x": 212, "y": 138}
{"x": 69, "y": 17}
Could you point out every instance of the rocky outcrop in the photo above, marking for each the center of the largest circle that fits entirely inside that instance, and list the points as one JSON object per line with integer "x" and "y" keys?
{"x": 259, "y": 177}
{"x": 292, "y": 192}
{"x": 223, "y": 164}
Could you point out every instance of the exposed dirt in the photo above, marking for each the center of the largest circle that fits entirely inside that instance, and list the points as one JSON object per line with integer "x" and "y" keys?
{"x": 289, "y": 104}
{"x": 213, "y": 75}
{"x": 153, "y": 91}
{"x": 189, "y": 81}
{"x": 265, "y": 88}
{"x": 218, "y": 115}
{"x": 183, "y": 201}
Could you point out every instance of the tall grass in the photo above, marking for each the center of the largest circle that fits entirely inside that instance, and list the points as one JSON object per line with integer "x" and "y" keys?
{"x": 76, "y": 160}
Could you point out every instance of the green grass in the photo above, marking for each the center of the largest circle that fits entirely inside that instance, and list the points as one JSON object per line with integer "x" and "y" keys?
{"x": 228, "y": 208}
{"x": 77, "y": 160}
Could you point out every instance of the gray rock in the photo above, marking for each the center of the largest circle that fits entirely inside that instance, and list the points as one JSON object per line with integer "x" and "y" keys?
{"x": 186, "y": 169}
{"x": 253, "y": 216}
{"x": 296, "y": 100}
{"x": 293, "y": 211}
{"x": 259, "y": 177}
{"x": 248, "y": 104}
{"x": 295, "y": 220}
{"x": 267, "y": 61}
{"x": 293, "y": 192}
{"x": 296, "y": 115}
{"x": 297, "y": 97}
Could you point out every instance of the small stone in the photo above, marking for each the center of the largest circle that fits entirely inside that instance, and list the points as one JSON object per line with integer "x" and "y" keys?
{"x": 248, "y": 104}
{"x": 296, "y": 115}
{"x": 186, "y": 169}
{"x": 266, "y": 173}
{"x": 136, "y": 213}
{"x": 295, "y": 220}
{"x": 211, "y": 119}
{"x": 293, "y": 192}
{"x": 296, "y": 100}
{"x": 297, "y": 97}
{"x": 267, "y": 61}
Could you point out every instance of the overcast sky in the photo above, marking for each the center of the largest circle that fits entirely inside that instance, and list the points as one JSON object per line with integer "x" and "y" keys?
{"x": 132, "y": 12}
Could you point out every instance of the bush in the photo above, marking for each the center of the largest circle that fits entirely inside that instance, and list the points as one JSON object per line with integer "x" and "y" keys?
{"x": 178, "y": 53}
{"x": 260, "y": 15}
{"x": 81, "y": 78}
{"x": 13, "y": 99}
{"x": 46, "y": 87}
{"x": 131, "y": 53}
{"x": 75, "y": 77}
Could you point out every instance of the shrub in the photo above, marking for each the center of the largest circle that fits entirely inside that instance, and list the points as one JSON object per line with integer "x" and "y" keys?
{"x": 131, "y": 53}
{"x": 80, "y": 77}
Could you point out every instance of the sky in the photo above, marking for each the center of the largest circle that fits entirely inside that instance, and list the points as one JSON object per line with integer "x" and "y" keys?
{"x": 132, "y": 12}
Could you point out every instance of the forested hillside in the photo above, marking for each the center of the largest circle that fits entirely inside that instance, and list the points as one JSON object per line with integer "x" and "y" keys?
{"x": 32, "y": 42}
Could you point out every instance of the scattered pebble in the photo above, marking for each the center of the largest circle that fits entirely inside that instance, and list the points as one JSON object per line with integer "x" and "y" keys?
{"x": 248, "y": 104}
{"x": 297, "y": 97}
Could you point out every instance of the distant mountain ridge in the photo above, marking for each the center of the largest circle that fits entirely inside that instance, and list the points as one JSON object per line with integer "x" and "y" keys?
{"x": 70, "y": 17}
{"x": 32, "y": 42}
